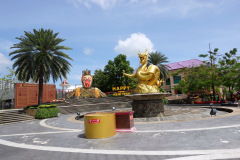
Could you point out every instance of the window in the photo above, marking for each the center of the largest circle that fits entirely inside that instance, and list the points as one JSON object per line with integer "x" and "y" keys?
{"x": 176, "y": 79}
{"x": 168, "y": 81}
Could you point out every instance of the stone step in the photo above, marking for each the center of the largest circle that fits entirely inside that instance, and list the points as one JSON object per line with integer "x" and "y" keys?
{"x": 93, "y": 101}
{"x": 15, "y": 121}
{"x": 13, "y": 116}
{"x": 93, "y": 104}
{"x": 4, "y": 119}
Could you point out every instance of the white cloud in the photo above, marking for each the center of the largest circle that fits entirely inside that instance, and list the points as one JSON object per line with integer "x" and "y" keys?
{"x": 181, "y": 8}
{"x": 5, "y": 45}
{"x": 131, "y": 45}
{"x": 4, "y": 62}
{"x": 184, "y": 7}
{"x": 88, "y": 51}
{"x": 104, "y": 4}
{"x": 178, "y": 8}
{"x": 108, "y": 4}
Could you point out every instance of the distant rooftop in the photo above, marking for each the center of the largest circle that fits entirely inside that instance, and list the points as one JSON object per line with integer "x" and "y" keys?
{"x": 183, "y": 64}
{"x": 64, "y": 83}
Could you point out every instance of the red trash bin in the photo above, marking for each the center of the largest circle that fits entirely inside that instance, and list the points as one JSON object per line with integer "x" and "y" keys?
{"x": 124, "y": 121}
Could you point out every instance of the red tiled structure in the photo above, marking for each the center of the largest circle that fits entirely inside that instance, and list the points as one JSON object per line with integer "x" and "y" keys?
{"x": 64, "y": 84}
{"x": 183, "y": 64}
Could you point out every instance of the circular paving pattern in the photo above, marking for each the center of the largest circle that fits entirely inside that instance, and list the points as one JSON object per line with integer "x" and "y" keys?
{"x": 206, "y": 138}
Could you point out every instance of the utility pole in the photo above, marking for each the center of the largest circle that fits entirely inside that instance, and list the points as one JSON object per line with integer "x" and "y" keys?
{"x": 210, "y": 52}
{"x": 211, "y": 66}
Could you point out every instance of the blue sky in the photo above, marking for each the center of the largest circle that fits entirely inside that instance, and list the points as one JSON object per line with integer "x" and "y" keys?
{"x": 99, "y": 30}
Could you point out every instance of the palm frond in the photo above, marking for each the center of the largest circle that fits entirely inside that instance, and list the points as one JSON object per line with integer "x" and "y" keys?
{"x": 157, "y": 58}
{"x": 38, "y": 54}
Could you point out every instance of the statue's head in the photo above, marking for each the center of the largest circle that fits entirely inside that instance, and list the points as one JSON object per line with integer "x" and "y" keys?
{"x": 87, "y": 79}
{"x": 143, "y": 57}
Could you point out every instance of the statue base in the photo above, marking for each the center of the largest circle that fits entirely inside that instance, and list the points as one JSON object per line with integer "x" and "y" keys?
{"x": 147, "y": 104}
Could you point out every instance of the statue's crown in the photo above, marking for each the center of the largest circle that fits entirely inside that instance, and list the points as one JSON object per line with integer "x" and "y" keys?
{"x": 142, "y": 54}
{"x": 86, "y": 72}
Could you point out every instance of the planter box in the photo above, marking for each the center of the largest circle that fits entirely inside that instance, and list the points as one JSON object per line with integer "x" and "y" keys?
{"x": 206, "y": 102}
{"x": 199, "y": 102}
{"x": 197, "y": 99}
{"x": 31, "y": 112}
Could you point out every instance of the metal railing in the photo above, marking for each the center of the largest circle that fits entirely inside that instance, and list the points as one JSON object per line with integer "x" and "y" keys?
{"x": 62, "y": 93}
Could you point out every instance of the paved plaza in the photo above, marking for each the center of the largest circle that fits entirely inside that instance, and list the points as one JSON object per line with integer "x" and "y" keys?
{"x": 193, "y": 134}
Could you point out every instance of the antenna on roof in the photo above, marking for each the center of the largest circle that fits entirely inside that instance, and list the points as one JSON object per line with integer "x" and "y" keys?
{"x": 210, "y": 49}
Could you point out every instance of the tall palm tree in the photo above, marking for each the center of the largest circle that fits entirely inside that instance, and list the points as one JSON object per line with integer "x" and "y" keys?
{"x": 157, "y": 58}
{"x": 38, "y": 56}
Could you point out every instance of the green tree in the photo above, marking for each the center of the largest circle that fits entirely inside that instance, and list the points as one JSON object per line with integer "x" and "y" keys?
{"x": 238, "y": 79}
{"x": 229, "y": 71}
{"x": 212, "y": 69}
{"x": 198, "y": 79}
{"x": 38, "y": 56}
{"x": 112, "y": 74}
{"x": 99, "y": 79}
{"x": 157, "y": 58}
{"x": 194, "y": 79}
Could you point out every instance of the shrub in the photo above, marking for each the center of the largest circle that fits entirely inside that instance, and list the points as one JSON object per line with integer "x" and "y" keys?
{"x": 30, "y": 107}
{"x": 165, "y": 101}
{"x": 162, "y": 90}
{"x": 44, "y": 111}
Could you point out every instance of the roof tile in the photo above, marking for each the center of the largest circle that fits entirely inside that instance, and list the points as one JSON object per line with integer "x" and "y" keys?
{"x": 183, "y": 64}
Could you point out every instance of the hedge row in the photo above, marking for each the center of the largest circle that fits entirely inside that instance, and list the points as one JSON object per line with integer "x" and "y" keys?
{"x": 44, "y": 111}
{"x": 30, "y": 107}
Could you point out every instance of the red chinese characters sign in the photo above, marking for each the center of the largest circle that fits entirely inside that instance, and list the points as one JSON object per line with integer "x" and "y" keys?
{"x": 93, "y": 121}
{"x": 131, "y": 117}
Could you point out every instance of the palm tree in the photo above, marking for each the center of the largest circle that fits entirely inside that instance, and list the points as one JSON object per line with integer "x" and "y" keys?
{"x": 38, "y": 56}
{"x": 157, "y": 58}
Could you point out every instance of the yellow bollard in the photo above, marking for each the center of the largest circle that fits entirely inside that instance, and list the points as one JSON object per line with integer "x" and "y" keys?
{"x": 99, "y": 125}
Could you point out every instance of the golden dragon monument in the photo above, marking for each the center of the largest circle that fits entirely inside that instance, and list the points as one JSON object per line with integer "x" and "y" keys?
{"x": 148, "y": 77}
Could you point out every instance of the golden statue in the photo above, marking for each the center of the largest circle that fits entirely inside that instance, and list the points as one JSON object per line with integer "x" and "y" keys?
{"x": 148, "y": 77}
{"x": 87, "y": 90}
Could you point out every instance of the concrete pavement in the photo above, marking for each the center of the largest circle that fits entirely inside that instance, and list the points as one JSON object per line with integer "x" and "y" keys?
{"x": 197, "y": 137}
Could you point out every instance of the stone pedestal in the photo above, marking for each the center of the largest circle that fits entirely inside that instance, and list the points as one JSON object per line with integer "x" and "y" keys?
{"x": 148, "y": 104}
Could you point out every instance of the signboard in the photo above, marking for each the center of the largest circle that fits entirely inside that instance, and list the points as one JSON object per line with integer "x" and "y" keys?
{"x": 93, "y": 121}
{"x": 27, "y": 94}
{"x": 121, "y": 90}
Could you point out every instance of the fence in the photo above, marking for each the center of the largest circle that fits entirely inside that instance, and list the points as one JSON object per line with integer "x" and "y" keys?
{"x": 62, "y": 93}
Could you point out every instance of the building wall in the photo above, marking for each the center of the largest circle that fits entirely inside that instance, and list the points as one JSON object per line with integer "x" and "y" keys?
{"x": 170, "y": 88}
{"x": 6, "y": 84}
{"x": 175, "y": 67}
